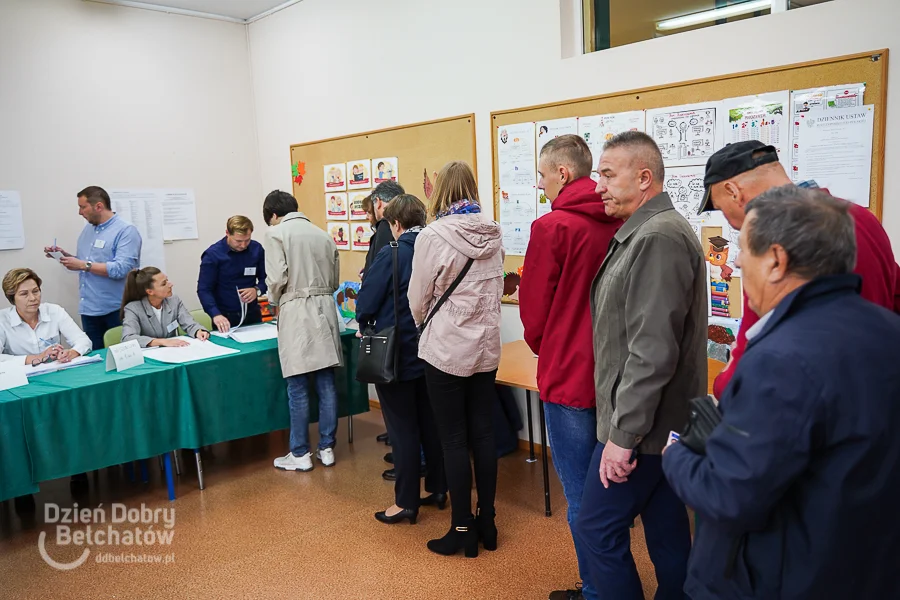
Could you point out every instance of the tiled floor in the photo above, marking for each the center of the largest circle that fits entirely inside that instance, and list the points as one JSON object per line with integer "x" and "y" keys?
{"x": 256, "y": 532}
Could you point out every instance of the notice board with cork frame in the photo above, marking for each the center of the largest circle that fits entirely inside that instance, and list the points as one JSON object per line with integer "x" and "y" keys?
{"x": 870, "y": 68}
{"x": 419, "y": 148}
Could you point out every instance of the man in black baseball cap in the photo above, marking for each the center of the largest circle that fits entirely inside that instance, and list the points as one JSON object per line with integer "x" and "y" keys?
{"x": 737, "y": 174}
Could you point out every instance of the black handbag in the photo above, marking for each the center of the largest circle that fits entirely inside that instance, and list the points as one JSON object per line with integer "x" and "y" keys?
{"x": 379, "y": 352}
{"x": 704, "y": 416}
{"x": 444, "y": 297}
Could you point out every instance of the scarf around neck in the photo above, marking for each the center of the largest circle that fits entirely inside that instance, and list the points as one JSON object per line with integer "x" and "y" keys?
{"x": 461, "y": 207}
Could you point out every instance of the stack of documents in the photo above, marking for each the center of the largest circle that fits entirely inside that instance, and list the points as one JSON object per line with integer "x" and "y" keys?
{"x": 250, "y": 333}
{"x": 52, "y": 367}
{"x": 195, "y": 350}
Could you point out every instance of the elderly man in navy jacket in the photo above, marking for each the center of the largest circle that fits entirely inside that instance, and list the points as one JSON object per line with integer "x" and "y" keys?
{"x": 797, "y": 491}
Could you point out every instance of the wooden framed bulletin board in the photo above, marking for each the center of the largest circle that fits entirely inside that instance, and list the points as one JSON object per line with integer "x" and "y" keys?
{"x": 418, "y": 148}
{"x": 870, "y": 68}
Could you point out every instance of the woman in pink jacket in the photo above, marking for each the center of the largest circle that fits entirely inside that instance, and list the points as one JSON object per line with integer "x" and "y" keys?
{"x": 460, "y": 345}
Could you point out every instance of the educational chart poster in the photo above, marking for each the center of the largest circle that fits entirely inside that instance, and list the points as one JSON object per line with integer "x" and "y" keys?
{"x": 517, "y": 213}
{"x": 547, "y": 130}
{"x": 686, "y": 135}
{"x": 685, "y": 188}
{"x": 765, "y": 117}
{"x": 357, "y": 212}
{"x": 359, "y": 174}
{"x": 720, "y": 246}
{"x": 384, "y": 169}
{"x": 336, "y": 205}
{"x": 543, "y": 204}
{"x": 837, "y": 151}
{"x": 599, "y": 129}
{"x": 340, "y": 233}
{"x": 806, "y": 103}
{"x": 362, "y": 234}
{"x": 335, "y": 178}
{"x": 516, "y": 156}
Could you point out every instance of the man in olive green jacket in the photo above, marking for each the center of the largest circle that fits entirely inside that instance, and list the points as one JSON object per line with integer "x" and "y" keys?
{"x": 649, "y": 314}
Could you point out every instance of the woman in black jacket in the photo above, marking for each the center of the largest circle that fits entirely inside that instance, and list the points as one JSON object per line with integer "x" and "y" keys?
{"x": 404, "y": 403}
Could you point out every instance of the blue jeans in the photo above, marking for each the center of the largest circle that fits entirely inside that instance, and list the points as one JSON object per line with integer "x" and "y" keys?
{"x": 96, "y": 327}
{"x": 298, "y": 401}
{"x": 573, "y": 436}
{"x": 602, "y": 529}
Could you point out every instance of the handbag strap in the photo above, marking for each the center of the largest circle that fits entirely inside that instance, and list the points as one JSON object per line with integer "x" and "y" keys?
{"x": 395, "y": 259}
{"x": 446, "y": 295}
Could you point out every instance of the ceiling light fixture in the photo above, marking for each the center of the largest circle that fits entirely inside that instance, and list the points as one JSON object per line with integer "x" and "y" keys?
{"x": 707, "y": 16}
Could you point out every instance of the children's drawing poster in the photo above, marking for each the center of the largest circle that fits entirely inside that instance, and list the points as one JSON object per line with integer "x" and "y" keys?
{"x": 516, "y": 155}
{"x": 362, "y": 234}
{"x": 359, "y": 174}
{"x": 384, "y": 169}
{"x": 599, "y": 129}
{"x": 517, "y": 213}
{"x": 805, "y": 103}
{"x": 357, "y": 212}
{"x": 720, "y": 246}
{"x": 547, "y": 130}
{"x": 340, "y": 233}
{"x": 764, "y": 117}
{"x": 336, "y": 205}
{"x": 335, "y": 178}
{"x": 685, "y": 188}
{"x": 686, "y": 135}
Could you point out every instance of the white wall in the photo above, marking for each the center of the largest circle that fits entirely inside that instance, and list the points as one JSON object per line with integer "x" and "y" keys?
{"x": 92, "y": 94}
{"x": 314, "y": 69}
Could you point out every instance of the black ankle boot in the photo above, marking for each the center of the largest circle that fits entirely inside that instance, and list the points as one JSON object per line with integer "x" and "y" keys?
{"x": 487, "y": 530}
{"x": 461, "y": 536}
{"x": 439, "y": 499}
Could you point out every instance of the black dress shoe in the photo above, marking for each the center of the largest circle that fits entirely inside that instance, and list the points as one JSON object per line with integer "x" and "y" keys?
{"x": 406, "y": 513}
{"x": 389, "y": 475}
{"x": 389, "y": 458}
{"x": 432, "y": 499}
{"x": 462, "y": 536}
{"x": 381, "y": 437}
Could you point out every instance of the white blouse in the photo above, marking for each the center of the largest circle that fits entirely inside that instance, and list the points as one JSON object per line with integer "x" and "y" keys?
{"x": 18, "y": 339}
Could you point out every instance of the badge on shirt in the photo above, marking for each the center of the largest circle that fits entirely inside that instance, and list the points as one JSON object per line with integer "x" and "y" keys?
{"x": 172, "y": 327}
{"x": 250, "y": 271}
{"x": 99, "y": 244}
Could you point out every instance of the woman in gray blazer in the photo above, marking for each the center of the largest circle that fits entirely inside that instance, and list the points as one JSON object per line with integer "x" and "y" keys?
{"x": 151, "y": 314}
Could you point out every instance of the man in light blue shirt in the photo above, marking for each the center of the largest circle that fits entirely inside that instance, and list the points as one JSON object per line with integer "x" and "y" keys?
{"x": 108, "y": 248}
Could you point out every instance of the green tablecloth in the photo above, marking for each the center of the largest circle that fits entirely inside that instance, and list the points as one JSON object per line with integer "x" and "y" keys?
{"x": 85, "y": 419}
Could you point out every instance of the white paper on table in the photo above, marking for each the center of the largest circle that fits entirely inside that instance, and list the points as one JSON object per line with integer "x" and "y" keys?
{"x": 12, "y": 227}
{"x": 685, "y": 188}
{"x": 764, "y": 117}
{"x": 599, "y": 129}
{"x": 143, "y": 209}
{"x": 548, "y": 130}
{"x": 517, "y": 213}
{"x": 179, "y": 214}
{"x": 195, "y": 350}
{"x": 12, "y": 375}
{"x": 837, "y": 151}
{"x": 686, "y": 135}
{"x": 804, "y": 103}
{"x": 255, "y": 333}
{"x": 53, "y": 367}
{"x": 124, "y": 356}
{"x": 516, "y": 155}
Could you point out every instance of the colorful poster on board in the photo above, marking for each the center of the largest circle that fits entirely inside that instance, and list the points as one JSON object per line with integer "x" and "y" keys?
{"x": 335, "y": 178}
{"x": 543, "y": 204}
{"x": 764, "y": 117}
{"x": 384, "y": 169}
{"x": 359, "y": 174}
{"x": 336, "y": 205}
{"x": 547, "y": 130}
{"x": 357, "y": 212}
{"x": 685, "y": 188}
{"x": 806, "y": 103}
{"x": 340, "y": 233}
{"x": 517, "y": 213}
{"x": 686, "y": 135}
{"x": 516, "y": 155}
{"x": 362, "y": 234}
{"x": 599, "y": 129}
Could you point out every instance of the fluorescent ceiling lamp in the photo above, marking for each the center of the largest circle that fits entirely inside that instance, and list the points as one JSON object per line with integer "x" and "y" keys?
{"x": 735, "y": 10}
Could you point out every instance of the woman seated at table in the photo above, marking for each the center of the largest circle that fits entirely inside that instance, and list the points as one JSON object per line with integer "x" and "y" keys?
{"x": 152, "y": 315}
{"x": 30, "y": 329}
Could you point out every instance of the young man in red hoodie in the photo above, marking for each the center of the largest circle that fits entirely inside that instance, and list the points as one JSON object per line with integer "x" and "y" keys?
{"x": 740, "y": 172}
{"x": 565, "y": 252}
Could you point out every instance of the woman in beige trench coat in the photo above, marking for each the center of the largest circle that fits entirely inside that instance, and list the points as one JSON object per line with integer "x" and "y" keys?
{"x": 303, "y": 268}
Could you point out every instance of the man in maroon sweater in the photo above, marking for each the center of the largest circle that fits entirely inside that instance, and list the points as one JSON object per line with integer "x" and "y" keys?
{"x": 564, "y": 254}
{"x": 740, "y": 172}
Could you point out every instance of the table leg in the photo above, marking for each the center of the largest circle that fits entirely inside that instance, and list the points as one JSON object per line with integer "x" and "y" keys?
{"x": 350, "y": 428}
{"x": 145, "y": 471}
{"x": 531, "y": 457}
{"x": 170, "y": 484}
{"x": 129, "y": 471}
{"x": 162, "y": 463}
{"x": 544, "y": 461}
{"x": 177, "y": 463}
{"x": 200, "y": 469}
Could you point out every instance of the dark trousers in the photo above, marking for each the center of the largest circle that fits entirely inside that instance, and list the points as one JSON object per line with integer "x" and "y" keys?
{"x": 406, "y": 407}
{"x": 96, "y": 327}
{"x": 254, "y": 316}
{"x": 602, "y": 531}
{"x": 464, "y": 409}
